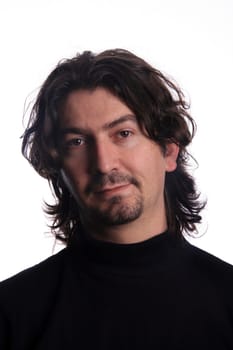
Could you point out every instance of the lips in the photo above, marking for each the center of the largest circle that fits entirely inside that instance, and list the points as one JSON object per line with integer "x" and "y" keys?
{"x": 111, "y": 189}
{"x": 108, "y": 183}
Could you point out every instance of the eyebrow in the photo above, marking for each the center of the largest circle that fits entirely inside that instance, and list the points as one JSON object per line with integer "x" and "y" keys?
{"x": 123, "y": 119}
{"x": 106, "y": 126}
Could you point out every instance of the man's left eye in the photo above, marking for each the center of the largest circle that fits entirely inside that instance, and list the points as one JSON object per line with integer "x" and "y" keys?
{"x": 125, "y": 133}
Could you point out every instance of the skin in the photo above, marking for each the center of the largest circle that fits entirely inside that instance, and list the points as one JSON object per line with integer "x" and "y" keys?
{"x": 115, "y": 172}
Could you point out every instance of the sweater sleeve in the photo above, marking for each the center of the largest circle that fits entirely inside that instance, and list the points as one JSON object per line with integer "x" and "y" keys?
{"x": 4, "y": 330}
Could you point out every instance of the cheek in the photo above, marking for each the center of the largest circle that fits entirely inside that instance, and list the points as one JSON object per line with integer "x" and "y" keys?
{"x": 73, "y": 168}
{"x": 67, "y": 180}
{"x": 154, "y": 173}
{"x": 151, "y": 160}
{"x": 73, "y": 179}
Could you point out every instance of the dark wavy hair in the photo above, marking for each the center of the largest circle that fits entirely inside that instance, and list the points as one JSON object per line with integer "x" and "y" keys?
{"x": 160, "y": 108}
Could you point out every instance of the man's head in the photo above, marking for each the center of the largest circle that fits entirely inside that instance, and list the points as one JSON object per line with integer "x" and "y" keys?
{"x": 107, "y": 131}
{"x": 112, "y": 168}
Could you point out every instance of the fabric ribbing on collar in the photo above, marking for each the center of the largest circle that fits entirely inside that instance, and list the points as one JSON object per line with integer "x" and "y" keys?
{"x": 146, "y": 253}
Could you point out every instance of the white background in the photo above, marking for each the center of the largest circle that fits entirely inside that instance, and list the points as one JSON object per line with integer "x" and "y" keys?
{"x": 191, "y": 40}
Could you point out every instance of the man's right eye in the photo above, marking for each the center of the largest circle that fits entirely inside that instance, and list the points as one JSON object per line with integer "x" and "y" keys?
{"x": 75, "y": 142}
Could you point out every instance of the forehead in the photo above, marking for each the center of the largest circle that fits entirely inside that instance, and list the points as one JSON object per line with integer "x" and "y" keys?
{"x": 92, "y": 108}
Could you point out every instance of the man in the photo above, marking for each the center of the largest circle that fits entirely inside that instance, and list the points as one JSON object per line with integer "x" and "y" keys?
{"x": 109, "y": 133}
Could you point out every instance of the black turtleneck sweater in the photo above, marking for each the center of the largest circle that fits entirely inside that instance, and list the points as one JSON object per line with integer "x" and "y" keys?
{"x": 162, "y": 293}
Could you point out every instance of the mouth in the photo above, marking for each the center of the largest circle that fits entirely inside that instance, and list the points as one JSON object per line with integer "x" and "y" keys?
{"x": 111, "y": 190}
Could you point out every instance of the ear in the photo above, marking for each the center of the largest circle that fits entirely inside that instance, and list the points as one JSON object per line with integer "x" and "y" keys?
{"x": 171, "y": 154}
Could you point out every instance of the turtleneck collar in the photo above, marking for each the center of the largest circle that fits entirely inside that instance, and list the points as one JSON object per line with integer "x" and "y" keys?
{"x": 143, "y": 253}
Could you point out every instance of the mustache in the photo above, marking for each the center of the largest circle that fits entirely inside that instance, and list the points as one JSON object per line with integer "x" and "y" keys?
{"x": 115, "y": 178}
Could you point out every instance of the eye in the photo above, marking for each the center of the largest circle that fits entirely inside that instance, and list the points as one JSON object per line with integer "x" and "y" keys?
{"x": 75, "y": 142}
{"x": 125, "y": 133}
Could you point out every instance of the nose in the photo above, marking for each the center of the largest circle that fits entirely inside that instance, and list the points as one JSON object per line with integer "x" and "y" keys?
{"x": 104, "y": 158}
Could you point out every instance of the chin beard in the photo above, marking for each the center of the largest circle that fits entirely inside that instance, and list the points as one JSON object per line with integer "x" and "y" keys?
{"x": 117, "y": 213}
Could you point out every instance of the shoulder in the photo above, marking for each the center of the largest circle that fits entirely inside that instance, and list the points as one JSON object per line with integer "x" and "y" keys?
{"x": 204, "y": 258}
{"x": 27, "y": 299}
{"x": 209, "y": 267}
{"x": 36, "y": 277}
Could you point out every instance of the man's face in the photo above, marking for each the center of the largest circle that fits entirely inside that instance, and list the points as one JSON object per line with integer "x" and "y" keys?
{"x": 115, "y": 172}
